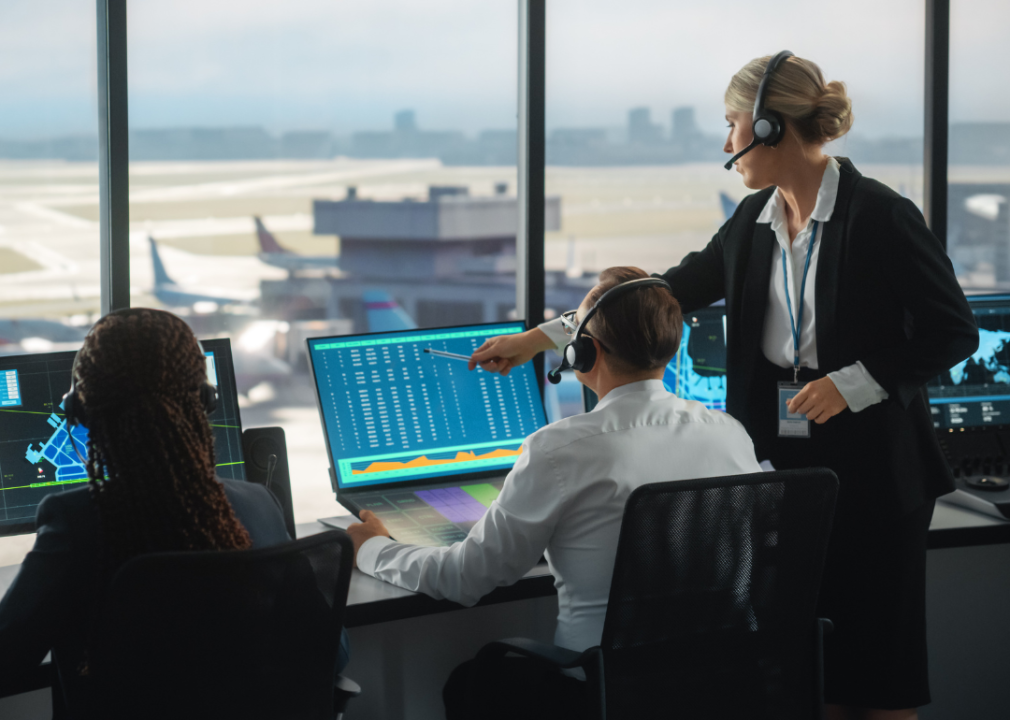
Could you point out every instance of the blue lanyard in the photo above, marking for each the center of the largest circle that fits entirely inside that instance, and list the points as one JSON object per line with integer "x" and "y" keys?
{"x": 797, "y": 325}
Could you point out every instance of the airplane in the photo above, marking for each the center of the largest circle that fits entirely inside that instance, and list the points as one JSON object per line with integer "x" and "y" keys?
{"x": 273, "y": 253}
{"x": 30, "y": 335}
{"x": 728, "y": 205}
{"x": 172, "y": 294}
{"x": 384, "y": 314}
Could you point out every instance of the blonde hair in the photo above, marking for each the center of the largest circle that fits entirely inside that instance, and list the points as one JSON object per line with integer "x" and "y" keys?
{"x": 818, "y": 111}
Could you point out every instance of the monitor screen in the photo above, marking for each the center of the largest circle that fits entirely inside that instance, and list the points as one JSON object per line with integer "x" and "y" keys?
{"x": 976, "y": 391}
{"x": 395, "y": 412}
{"x": 38, "y": 456}
{"x": 698, "y": 370}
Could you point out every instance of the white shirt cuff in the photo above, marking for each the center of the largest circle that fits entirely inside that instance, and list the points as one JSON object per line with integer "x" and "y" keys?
{"x": 555, "y": 330}
{"x": 858, "y": 387}
{"x": 368, "y": 553}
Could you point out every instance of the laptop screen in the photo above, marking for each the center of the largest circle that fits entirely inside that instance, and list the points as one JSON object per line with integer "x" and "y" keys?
{"x": 976, "y": 391}
{"x": 395, "y": 409}
{"x": 38, "y": 457}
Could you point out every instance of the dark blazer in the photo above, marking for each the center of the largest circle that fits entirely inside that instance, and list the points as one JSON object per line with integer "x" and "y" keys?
{"x": 49, "y": 605}
{"x": 886, "y": 295}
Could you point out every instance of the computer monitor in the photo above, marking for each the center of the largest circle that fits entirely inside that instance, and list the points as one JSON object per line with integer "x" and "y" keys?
{"x": 37, "y": 456}
{"x": 394, "y": 413}
{"x": 698, "y": 370}
{"x": 976, "y": 391}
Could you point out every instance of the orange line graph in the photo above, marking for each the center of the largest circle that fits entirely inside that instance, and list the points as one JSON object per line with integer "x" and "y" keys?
{"x": 424, "y": 462}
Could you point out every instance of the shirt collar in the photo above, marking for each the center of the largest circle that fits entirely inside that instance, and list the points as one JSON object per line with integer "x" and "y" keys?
{"x": 640, "y": 386}
{"x": 774, "y": 209}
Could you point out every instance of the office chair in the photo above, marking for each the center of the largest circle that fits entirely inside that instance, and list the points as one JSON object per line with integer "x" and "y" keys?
{"x": 712, "y": 602}
{"x": 233, "y": 634}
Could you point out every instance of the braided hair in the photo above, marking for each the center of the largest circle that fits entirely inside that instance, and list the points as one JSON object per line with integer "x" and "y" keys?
{"x": 150, "y": 447}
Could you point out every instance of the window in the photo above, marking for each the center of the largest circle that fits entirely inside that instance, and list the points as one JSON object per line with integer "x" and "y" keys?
{"x": 978, "y": 195}
{"x": 635, "y": 115}
{"x": 49, "y": 271}
{"x": 308, "y": 169}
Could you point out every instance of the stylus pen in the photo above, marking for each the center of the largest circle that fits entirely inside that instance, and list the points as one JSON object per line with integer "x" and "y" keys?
{"x": 451, "y": 356}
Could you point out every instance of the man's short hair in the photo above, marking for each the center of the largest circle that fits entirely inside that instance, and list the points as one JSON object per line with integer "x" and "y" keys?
{"x": 640, "y": 330}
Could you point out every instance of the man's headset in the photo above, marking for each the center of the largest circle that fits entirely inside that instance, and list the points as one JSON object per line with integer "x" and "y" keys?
{"x": 580, "y": 353}
{"x": 768, "y": 125}
{"x": 77, "y": 414}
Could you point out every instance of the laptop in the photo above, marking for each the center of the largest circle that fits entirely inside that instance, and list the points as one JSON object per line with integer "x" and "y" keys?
{"x": 416, "y": 437}
{"x": 37, "y": 449}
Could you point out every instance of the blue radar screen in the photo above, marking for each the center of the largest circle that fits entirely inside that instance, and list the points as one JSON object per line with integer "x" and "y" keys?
{"x": 976, "y": 391}
{"x": 698, "y": 370}
{"x": 37, "y": 453}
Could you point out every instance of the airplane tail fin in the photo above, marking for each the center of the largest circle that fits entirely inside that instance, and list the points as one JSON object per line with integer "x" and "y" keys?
{"x": 728, "y": 205}
{"x": 160, "y": 275}
{"x": 268, "y": 243}
{"x": 384, "y": 314}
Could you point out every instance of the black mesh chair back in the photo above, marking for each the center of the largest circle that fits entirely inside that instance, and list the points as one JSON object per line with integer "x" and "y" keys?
{"x": 235, "y": 634}
{"x": 712, "y": 603}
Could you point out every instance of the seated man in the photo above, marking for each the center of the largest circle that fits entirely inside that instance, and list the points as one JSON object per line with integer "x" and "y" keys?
{"x": 565, "y": 497}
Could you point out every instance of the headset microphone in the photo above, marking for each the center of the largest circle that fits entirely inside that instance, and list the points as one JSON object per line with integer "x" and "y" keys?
{"x": 732, "y": 160}
{"x": 554, "y": 376}
{"x": 767, "y": 126}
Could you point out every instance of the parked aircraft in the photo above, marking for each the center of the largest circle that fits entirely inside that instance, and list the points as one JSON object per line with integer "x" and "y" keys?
{"x": 384, "y": 314}
{"x": 172, "y": 294}
{"x": 273, "y": 253}
{"x": 728, "y": 205}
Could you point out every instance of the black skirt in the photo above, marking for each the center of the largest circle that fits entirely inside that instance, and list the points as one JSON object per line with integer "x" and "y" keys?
{"x": 874, "y": 583}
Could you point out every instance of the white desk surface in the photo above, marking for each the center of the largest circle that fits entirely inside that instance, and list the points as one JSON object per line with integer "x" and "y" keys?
{"x": 365, "y": 589}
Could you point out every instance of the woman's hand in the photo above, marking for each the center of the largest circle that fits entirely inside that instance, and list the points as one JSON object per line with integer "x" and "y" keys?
{"x": 818, "y": 400}
{"x": 501, "y": 354}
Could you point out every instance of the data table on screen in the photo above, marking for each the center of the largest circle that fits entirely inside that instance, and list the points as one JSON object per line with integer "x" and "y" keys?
{"x": 394, "y": 411}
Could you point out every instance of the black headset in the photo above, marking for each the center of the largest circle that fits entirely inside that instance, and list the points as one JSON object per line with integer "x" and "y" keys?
{"x": 580, "y": 353}
{"x": 768, "y": 126}
{"x": 77, "y": 414}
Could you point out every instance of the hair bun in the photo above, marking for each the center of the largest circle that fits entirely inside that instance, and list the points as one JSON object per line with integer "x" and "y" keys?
{"x": 834, "y": 111}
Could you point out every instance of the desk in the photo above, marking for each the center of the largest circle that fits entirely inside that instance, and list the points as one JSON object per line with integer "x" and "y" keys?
{"x": 403, "y": 645}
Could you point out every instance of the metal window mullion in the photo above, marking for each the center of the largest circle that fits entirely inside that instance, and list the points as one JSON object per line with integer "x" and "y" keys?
{"x": 113, "y": 157}
{"x": 530, "y": 274}
{"x": 936, "y": 130}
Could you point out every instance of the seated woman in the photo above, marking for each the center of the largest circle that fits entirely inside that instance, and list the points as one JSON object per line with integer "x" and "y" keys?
{"x": 151, "y": 488}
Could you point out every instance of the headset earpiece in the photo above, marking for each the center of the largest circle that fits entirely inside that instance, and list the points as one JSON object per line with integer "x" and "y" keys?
{"x": 580, "y": 354}
{"x": 208, "y": 398}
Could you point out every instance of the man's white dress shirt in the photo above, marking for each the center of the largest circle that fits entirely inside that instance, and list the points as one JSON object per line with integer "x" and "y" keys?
{"x": 854, "y": 382}
{"x": 565, "y": 498}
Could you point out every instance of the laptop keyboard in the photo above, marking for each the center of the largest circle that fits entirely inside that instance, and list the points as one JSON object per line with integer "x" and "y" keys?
{"x": 436, "y": 517}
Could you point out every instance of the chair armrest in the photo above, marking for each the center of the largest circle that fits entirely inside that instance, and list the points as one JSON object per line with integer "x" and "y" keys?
{"x": 552, "y": 654}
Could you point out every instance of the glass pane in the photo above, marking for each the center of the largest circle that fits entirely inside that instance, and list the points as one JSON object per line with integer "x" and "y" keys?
{"x": 978, "y": 219}
{"x": 309, "y": 169}
{"x": 49, "y": 271}
{"x": 635, "y": 115}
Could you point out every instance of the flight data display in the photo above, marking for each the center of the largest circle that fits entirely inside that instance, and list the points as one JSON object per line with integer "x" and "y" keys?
{"x": 976, "y": 391}
{"x": 396, "y": 410}
{"x": 698, "y": 370}
{"x": 40, "y": 454}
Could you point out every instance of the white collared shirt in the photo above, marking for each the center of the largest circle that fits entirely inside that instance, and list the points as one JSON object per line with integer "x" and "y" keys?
{"x": 565, "y": 499}
{"x": 854, "y": 383}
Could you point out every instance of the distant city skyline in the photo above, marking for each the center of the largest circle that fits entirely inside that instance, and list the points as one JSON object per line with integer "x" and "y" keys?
{"x": 347, "y": 67}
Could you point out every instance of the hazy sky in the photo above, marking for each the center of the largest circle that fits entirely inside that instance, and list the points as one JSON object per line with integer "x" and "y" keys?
{"x": 345, "y": 66}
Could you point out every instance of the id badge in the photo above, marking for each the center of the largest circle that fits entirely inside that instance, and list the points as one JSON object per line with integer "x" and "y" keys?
{"x": 792, "y": 425}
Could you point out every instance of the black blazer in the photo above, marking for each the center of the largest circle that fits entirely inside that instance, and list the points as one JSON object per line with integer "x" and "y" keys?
{"x": 49, "y": 605}
{"x": 886, "y": 295}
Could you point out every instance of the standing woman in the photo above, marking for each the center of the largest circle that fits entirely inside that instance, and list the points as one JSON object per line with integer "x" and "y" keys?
{"x": 832, "y": 282}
